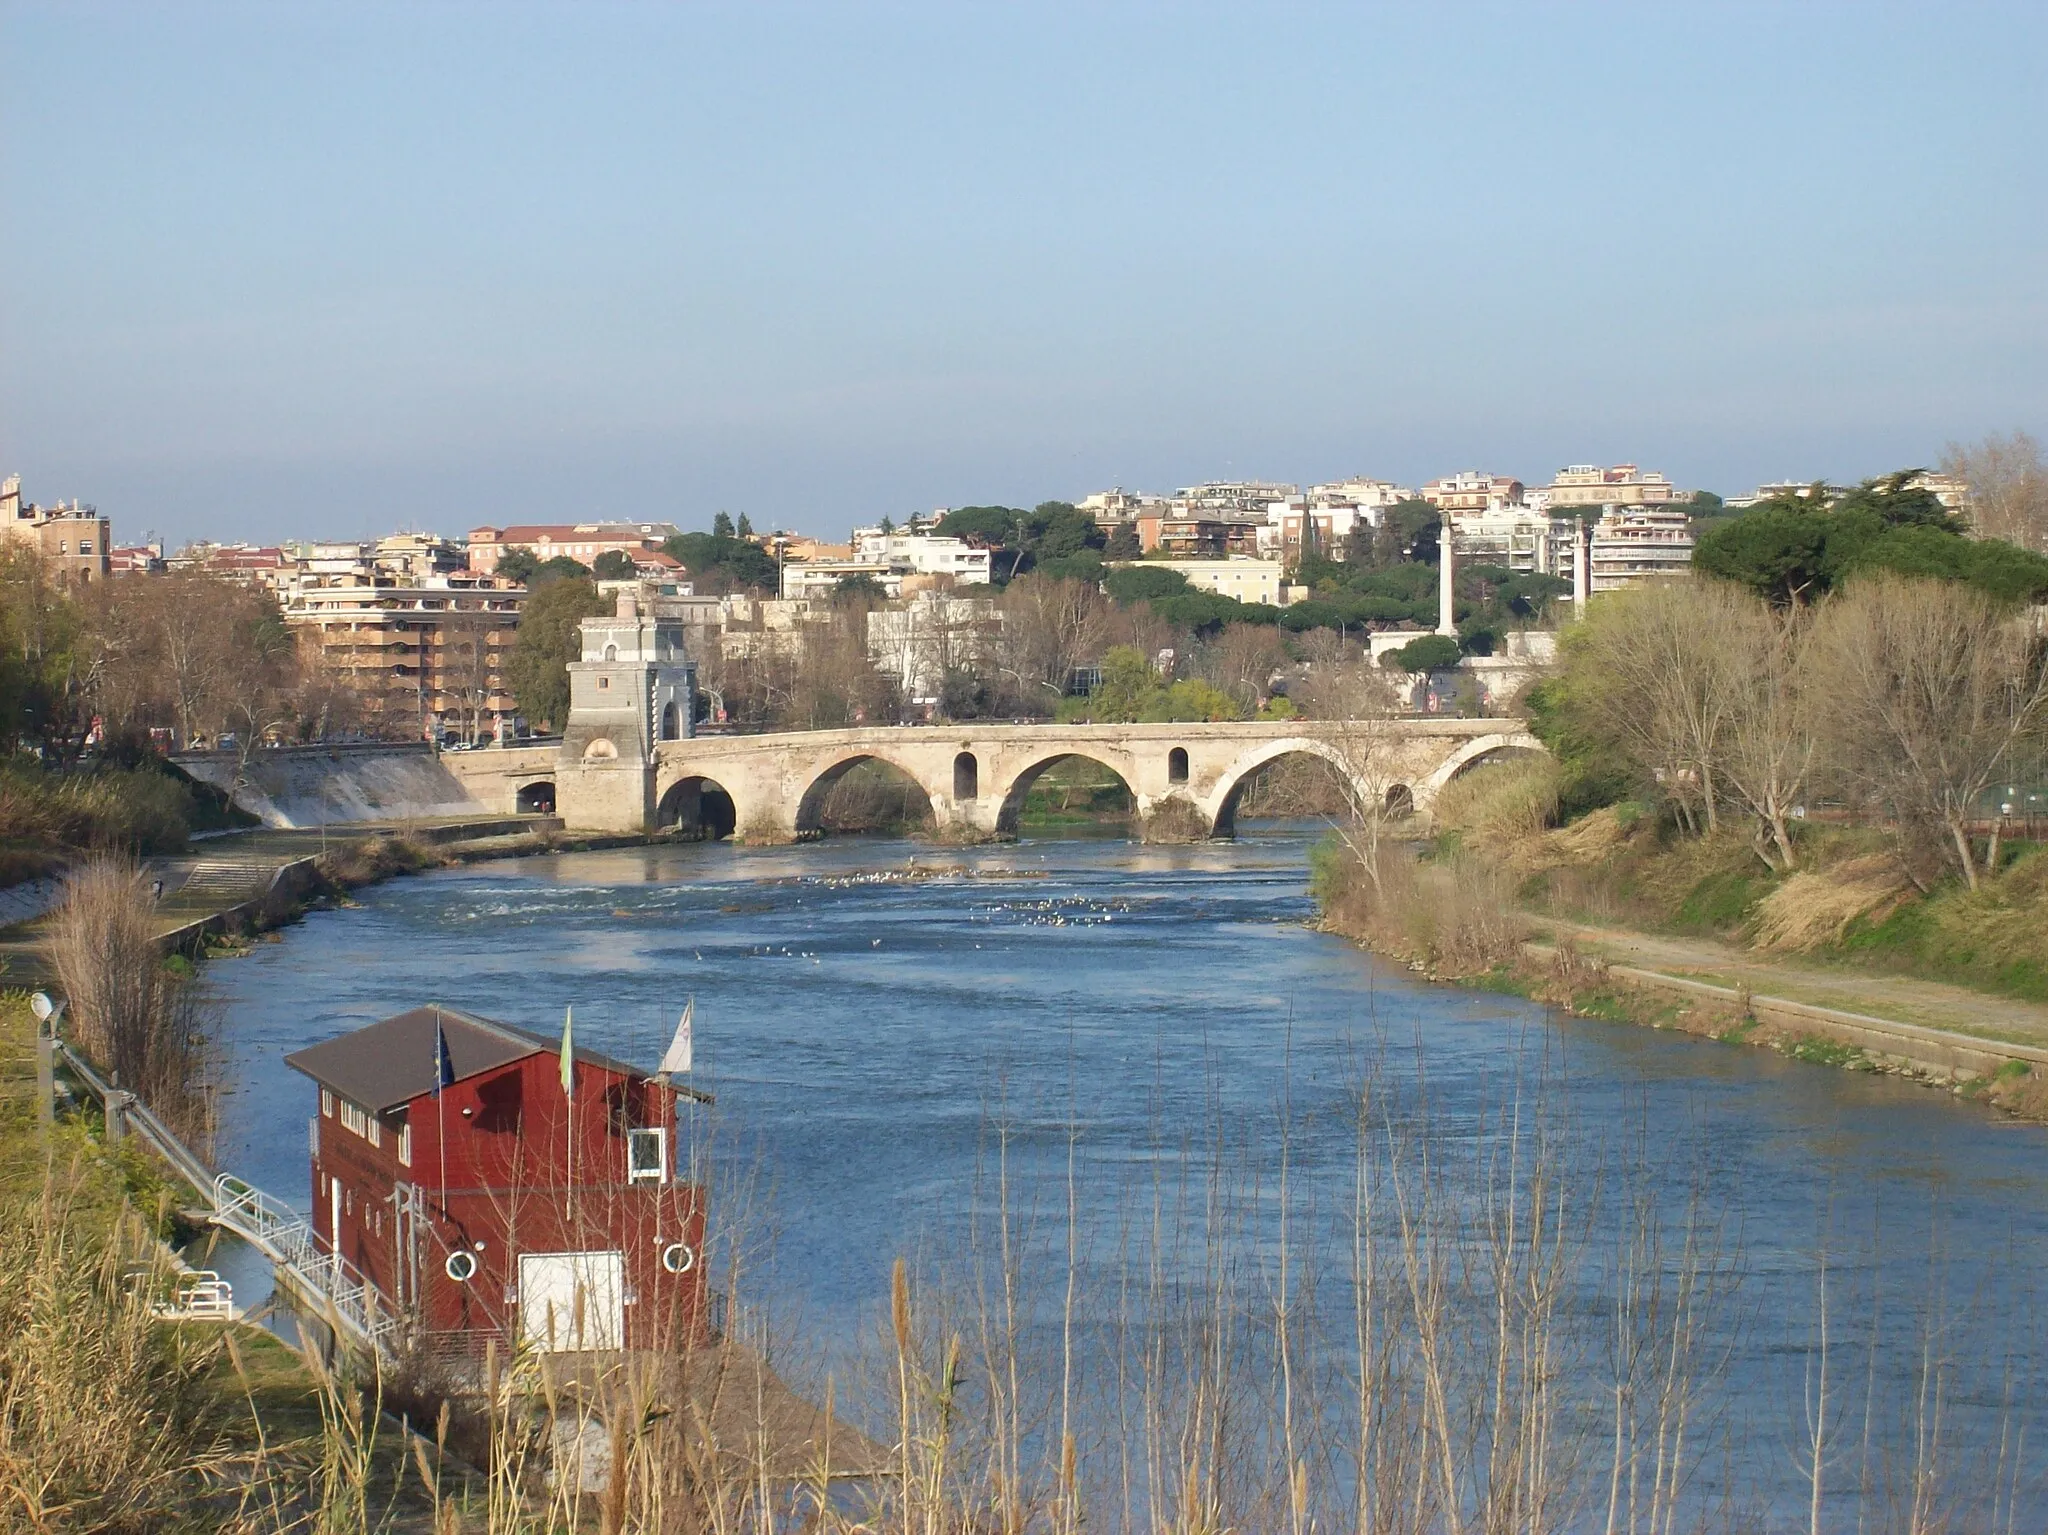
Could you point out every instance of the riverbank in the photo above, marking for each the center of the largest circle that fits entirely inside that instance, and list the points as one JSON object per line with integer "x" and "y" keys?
{"x": 1842, "y": 962}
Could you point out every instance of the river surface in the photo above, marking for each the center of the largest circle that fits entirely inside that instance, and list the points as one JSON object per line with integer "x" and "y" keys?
{"x": 869, "y": 1034}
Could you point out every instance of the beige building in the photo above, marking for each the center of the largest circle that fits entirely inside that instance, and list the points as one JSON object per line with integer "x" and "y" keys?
{"x": 579, "y": 541}
{"x": 73, "y": 541}
{"x": 1471, "y": 491}
{"x": 1262, "y": 581}
{"x": 1620, "y": 485}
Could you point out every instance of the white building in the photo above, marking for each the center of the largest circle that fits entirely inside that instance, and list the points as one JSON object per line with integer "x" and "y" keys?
{"x": 1635, "y": 542}
{"x": 1359, "y": 492}
{"x": 820, "y": 578}
{"x": 931, "y": 636}
{"x": 1518, "y": 538}
{"x": 923, "y": 554}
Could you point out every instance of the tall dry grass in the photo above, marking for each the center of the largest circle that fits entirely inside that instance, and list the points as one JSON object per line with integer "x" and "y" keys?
{"x": 128, "y": 1012}
{"x": 135, "y": 809}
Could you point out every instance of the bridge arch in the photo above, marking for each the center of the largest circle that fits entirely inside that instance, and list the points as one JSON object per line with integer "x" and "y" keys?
{"x": 1471, "y": 753}
{"x": 695, "y": 803}
{"x": 535, "y": 798}
{"x": 810, "y": 808}
{"x": 1233, "y": 780}
{"x": 1012, "y": 808}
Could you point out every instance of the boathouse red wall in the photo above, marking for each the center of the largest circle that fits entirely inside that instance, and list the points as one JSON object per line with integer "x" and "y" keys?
{"x": 499, "y": 1165}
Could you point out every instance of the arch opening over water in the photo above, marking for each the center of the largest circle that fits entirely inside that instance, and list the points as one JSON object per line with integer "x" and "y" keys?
{"x": 697, "y": 805}
{"x": 865, "y": 794}
{"x": 1067, "y": 789}
{"x": 536, "y": 798}
{"x": 1290, "y": 785}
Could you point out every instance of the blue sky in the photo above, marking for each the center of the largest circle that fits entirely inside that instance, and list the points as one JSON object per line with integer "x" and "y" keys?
{"x": 278, "y": 271}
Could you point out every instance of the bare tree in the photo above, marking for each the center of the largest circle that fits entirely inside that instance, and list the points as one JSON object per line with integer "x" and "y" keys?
{"x": 1051, "y": 628}
{"x": 2008, "y": 487}
{"x": 1647, "y": 673}
{"x": 1768, "y": 752}
{"x": 1242, "y": 660}
{"x": 1929, "y": 691}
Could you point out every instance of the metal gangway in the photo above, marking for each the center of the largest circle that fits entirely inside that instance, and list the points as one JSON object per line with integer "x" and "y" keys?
{"x": 338, "y": 1292}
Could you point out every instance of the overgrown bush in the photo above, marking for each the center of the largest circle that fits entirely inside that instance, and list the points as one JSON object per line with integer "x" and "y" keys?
{"x": 128, "y": 1011}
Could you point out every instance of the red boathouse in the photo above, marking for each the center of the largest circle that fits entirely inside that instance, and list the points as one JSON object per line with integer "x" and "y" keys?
{"x": 453, "y": 1172}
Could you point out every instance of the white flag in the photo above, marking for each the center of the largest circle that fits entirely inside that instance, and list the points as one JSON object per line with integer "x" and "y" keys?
{"x": 677, "y": 1061}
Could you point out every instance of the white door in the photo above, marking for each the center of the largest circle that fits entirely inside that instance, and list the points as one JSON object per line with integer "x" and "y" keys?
{"x": 572, "y": 1300}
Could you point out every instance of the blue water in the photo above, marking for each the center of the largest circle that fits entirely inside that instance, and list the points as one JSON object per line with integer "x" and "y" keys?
{"x": 866, "y": 1033}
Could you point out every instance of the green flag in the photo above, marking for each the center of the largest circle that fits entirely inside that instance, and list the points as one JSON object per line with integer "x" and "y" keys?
{"x": 568, "y": 1052}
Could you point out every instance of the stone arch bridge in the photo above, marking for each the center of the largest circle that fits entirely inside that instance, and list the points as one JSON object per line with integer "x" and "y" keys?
{"x": 1186, "y": 779}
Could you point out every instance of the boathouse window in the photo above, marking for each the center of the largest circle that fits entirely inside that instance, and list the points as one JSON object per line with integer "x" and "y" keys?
{"x": 326, "y": 1103}
{"x": 405, "y": 1144}
{"x": 646, "y": 1156}
{"x": 360, "y": 1120}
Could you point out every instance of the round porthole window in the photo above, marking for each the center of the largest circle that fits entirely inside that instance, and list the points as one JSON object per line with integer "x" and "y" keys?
{"x": 679, "y": 1257}
{"x": 461, "y": 1267}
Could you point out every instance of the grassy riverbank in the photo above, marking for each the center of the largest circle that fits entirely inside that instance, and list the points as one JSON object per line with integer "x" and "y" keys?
{"x": 1618, "y": 914}
{"x": 114, "y": 1420}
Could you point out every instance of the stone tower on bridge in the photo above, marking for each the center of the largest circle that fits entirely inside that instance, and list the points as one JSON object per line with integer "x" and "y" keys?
{"x": 634, "y": 689}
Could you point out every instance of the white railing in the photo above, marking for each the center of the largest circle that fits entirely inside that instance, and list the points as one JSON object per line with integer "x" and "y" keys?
{"x": 284, "y": 1236}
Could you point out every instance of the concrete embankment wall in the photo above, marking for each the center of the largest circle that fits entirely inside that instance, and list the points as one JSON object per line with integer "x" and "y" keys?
{"x": 305, "y": 786}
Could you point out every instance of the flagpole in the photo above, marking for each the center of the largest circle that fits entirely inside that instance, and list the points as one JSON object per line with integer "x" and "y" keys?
{"x": 440, "y": 1132}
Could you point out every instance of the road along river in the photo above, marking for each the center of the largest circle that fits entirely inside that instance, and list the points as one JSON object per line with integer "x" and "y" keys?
{"x": 880, "y": 1019}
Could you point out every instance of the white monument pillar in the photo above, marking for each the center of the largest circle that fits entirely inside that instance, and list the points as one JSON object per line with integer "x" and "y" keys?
{"x": 1447, "y": 575}
{"x": 1582, "y": 563}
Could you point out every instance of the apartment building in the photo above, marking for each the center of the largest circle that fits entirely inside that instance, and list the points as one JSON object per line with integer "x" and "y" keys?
{"x": 918, "y": 553}
{"x": 1292, "y": 525}
{"x": 72, "y": 540}
{"x": 579, "y": 541}
{"x": 424, "y": 656}
{"x": 1517, "y": 538}
{"x": 1471, "y": 491}
{"x": 1359, "y": 492}
{"x": 1620, "y": 485}
{"x": 1632, "y": 543}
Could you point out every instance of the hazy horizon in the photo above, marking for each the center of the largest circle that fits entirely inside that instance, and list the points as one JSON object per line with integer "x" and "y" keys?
{"x": 331, "y": 271}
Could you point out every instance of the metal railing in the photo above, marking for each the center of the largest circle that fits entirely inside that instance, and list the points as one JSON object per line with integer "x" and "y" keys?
{"x": 286, "y": 1237}
{"x": 348, "y": 1301}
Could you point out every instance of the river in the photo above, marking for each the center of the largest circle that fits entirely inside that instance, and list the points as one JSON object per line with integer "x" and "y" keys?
{"x": 867, "y": 1033}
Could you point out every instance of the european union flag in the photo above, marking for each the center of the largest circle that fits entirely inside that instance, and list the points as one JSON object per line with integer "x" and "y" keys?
{"x": 444, "y": 1069}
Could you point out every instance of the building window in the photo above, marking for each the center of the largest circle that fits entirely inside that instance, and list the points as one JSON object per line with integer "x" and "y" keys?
{"x": 646, "y": 1156}
{"x": 355, "y": 1117}
{"x": 604, "y": 682}
{"x": 85, "y": 546}
{"x": 326, "y": 1103}
{"x": 405, "y": 1144}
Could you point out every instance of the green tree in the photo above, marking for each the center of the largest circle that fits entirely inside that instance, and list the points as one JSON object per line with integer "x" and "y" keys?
{"x": 612, "y": 565}
{"x": 1144, "y": 583}
{"x": 988, "y": 527}
{"x": 1793, "y": 549}
{"x": 859, "y": 587}
{"x": 518, "y": 565}
{"x": 1123, "y": 542}
{"x": 537, "y": 670}
{"x": 721, "y": 526}
{"x": 1431, "y": 653}
{"x": 746, "y": 526}
{"x": 1058, "y": 530}
{"x": 1191, "y": 700}
{"x": 724, "y": 564}
{"x": 1128, "y": 683}
{"x": 559, "y": 568}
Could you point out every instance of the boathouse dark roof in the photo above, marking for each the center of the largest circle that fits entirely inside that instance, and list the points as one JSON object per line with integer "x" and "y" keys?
{"x": 391, "y": 1062}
